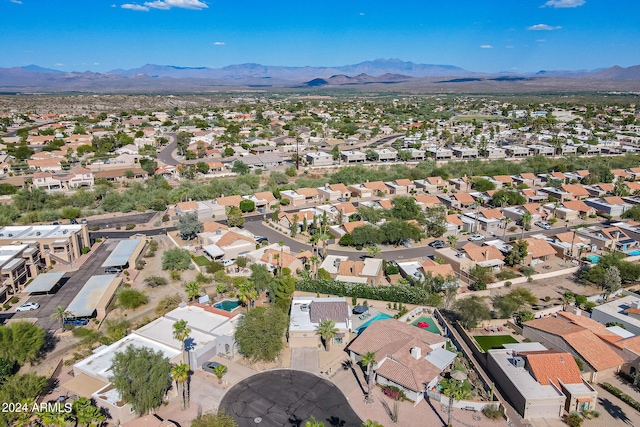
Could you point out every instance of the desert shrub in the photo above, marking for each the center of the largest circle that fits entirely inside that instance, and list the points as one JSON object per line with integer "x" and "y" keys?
{"x": 130, "y": 226}
{"x": 506, "y": 274}
{"x": 479, "y": 285}
{"x": 167, "y": 304}
{"x": 493, "y": 412}
{"x": 131, "y": 298}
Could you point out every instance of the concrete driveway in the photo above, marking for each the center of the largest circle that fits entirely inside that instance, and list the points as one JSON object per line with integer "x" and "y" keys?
{"x": 287, "y": 398}
{"x": 305, "y": 359}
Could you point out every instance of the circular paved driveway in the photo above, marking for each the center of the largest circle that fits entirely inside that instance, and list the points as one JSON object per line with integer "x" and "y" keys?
{"x": 287, "y": 398}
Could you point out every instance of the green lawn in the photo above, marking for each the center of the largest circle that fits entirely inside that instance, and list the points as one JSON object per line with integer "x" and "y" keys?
{"x": 201, "y": 260}
{"x": 487, "y": 342}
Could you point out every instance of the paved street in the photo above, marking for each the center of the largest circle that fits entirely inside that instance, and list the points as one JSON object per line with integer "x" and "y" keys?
{"x": 287, "y": 398}
{"x": 74, "y": 281}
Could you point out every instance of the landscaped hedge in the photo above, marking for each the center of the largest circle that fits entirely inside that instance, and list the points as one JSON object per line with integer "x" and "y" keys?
{"x": 622, "y": 395}
{"x": 397, "y": 293}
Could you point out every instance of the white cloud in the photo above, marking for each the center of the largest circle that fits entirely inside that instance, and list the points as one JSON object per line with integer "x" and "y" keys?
{"x": 16, "y": 1}
{"x": 564, "y": 3}
{"x": 361, "y": 13}
{"x": 543, "y": 27}
{"x": 486, "y": 46}
{"x": 181, "y": 4}
{"x": 541, "y": 40}
{"x": 58, "y": 64}
{"x": 508, "y": 47}
{"x": 218, "y": 44}
{"x": 135, "y": 7}
{"x": 96, "y": 63}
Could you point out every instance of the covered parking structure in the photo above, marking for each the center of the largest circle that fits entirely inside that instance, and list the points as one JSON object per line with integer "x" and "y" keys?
{"x": 45, "y": 283}
{"x": 95, "y": 296}
{"x": 123, "y": 255}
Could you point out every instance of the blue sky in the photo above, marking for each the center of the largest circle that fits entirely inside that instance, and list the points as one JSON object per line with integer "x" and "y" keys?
{"x": 478, "y": 35}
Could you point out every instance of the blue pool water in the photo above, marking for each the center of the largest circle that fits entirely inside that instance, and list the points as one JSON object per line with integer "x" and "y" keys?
{"x": 593, "y": 258}
{"x": 227, "y": 305}
{"x": 378, "y": 316}
{"x": 634, "y": 253}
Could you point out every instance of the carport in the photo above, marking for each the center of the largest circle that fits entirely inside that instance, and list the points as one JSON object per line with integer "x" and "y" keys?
{"x": 124, "y": 254}
{"x": 44, "y": 283}
{"x": 95, "y": 296}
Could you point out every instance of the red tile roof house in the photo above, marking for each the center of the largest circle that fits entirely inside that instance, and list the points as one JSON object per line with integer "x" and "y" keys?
{"x": 580, "y": 336}
{"x": 407, "y": 357}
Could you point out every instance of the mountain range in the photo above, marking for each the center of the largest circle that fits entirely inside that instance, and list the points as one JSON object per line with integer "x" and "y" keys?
{"x": 403, "y": 75}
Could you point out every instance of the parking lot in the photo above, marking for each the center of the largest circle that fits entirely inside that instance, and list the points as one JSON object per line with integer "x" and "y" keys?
{"x": 72, "y": 283}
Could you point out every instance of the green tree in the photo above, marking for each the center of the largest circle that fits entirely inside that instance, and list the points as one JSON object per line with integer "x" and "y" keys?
{"x": 373, "y": 250}
{"x": 219, "y": 372}
{"x": 247, "y": 294}
{"x": 247, "y": 206}
{"x": 472, "y": 310}
{"x": 141, "y": 377}
{"x": 193, "y": 290}
{"x": 86, "y": 413}
{"x": 131, "y": 298}
{"x": 312, "y": 422}
{"x": 327, "y": 330}
{"x": 21, "y": 342}
{"x": 69, "y": 212}
{"x": 261, "y": 276}
{"x": 455, "y": 390}
{"x": 514, "y": 301}
{"x": 176, "y": 259}
{"x": 155, "y": 281}
{"x": 181, "y": 332}
{"x": 189, "y": 226}
{"x": 525, "y": 220}
{"x": 452, "y": 240}
{"x": 517, "y": 253}
{"x": 370, "y": 423}
{"x": 218, "y": 419}
{"x": 180, "y": 374}
{"x": 183, "y": 139}
{"x": 611, "y": 281}
{"x": 61, "y": 314}
{"x": 483, "y": 185}
{"x": 285, "y": 288}
{"x": 435, "y": 222}
{"x": 335, "y": 152}
{"x": 406, "y": 208}
{"x": 240, "y": 167}
{"x": 234, "y": 217}
{"x": 27, "y": 200}
{"x": 507, "y": 198}
{"x": 259, "y": 333}
{"x": 396, "y": 231}
{"x": 368, "y": 361}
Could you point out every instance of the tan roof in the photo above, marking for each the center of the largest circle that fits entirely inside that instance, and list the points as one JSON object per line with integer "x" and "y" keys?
{"x": 614, "y": 200}
{"x": 229, "y": 201}
{"x": 550, "y": 366}
{"x": 631, "y": 344}
{"x": 620, "y": 172}
{"x": 212, "y": 226}
{"x": 346, "y": 208}
{"x": 568, "y": 237}
{"x": 577, "y": 205}
{"x": 613, "y": 233}
{"x": 392, "y": 341}
{"x": 606, "y": 187}
{"x": 349, "y": 226}
{"x": 265, "y": 195}
{"x": 339, "y": 187}
{"x": 633, "y": 186}
{"x": 539, "y": 248}
{"x": 278, "y": 258}
{"x": 376, "y": 185}
{"x": 350, "y": 268}
{"x": 583, "y": 172}
{"x": 453, "y": 219}
{"x": 406, "y": 182}
{"x": 231, "y": 237}
{"x": 482, "y": 253}
{"x": 307, "y": 192}
{"x": 576, "y": 190}
{"x": 503, "y": 178}
{"x": 527, "y": 176}
{"x": 588, "y": 323}
{"x": 464, "y": 198}
{"x": 188, "y": 206}
{"x": 385, "y": 203}
{"x": 436, "y": 180}
{"x": 442, "y": 270}
{"x": 427, "y": 200}
{"x": 83, "y": 385}
{"x": 557, "y": 175}
{"x": 492, "y": 213}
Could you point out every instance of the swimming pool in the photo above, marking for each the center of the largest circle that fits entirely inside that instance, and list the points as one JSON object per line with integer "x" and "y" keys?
{"x": 593, "y": 258}
{"x": 375, "y": 318}
{"x": 634, "y": 253}
{"x": 433, "y": 327}
{"x": 227, "y": 305}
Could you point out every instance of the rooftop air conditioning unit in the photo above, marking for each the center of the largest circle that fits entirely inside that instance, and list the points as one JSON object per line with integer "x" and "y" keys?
{"x": 38, "y": 233}
{"x": 518, "y": 362}
{"x": 304, "y": 307}
{"x": 10, "y": 235}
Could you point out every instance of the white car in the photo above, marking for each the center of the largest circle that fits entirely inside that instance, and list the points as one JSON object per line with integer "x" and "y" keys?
{"x": 476, "y": 237}
{"x": 28, "y": 306}
{"x": 228, "y": 262}
{"x": 544, "y": 225}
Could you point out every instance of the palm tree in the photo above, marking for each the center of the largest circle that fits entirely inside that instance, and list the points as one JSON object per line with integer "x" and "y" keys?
{"x": 454, "y": 390}
{"x": 61, "y": 314}
{"x": 28, "y": 418}
{"x": 180, "y": 374}
{"x": 312, "y": 422}
{"x": 193, "y": 290}
{"x": 526, "y": 219}
{"x": 507, "y": 221}
{"x": 324, "y": 238}
{"x": 373, "y": 250}
{"x": 453, "y": 240}
{"x": 247, "y": 294}
{"x": 327, "y": 330}
{"x": 85, "y": 412}
{"x": 219, "y": 371}
{"x": 314, "y": 260}
{"x": 54, "y": 418}
{"x": 370, "y": 423}
{"x": 181, "y": 333}
{"x": 368, "y": 360}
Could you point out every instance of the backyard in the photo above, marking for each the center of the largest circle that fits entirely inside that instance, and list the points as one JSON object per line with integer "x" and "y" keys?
{"x": 488, "y": 342}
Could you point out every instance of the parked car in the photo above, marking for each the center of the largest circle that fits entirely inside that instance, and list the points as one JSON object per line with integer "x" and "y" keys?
{"x": 83, "y": 221}
{"x": 209, "y": 367}
{"x": 476, "y": 237}
{"x": 406, "y": 243}
{"x": 261, "y": 239}
{"x": 73, "y": 221}
{"x": 28, "y": 306}
{"x": 228, "y": 262}
{"x": 76, "y": 322}
{"x": 438, "y": 244}
{"x": 544, "y": 225}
